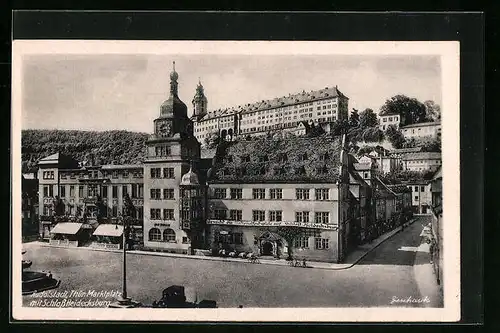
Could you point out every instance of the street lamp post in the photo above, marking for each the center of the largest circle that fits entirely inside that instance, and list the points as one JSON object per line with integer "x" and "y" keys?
{"x": 123, "y": 301}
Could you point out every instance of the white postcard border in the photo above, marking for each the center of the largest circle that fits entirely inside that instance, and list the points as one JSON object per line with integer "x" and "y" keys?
{"x": 449, "y": 53}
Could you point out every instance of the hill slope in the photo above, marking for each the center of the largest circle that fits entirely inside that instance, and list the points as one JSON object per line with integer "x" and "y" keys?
{"x": 118, "y": 147}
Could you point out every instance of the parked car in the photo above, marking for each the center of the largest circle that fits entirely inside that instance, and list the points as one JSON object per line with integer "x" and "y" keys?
{"x": 177, "y": 296}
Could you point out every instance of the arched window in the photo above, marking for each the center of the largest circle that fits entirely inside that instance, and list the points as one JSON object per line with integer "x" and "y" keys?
{"x": 169, "y": 235}
{"x": 154, "y": 235}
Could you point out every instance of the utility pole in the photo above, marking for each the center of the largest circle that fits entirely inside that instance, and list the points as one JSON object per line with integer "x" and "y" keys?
{"x": 123, "y": 301}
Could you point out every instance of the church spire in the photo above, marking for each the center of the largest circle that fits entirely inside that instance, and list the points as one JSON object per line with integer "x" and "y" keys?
{"x": 173, "y": 81}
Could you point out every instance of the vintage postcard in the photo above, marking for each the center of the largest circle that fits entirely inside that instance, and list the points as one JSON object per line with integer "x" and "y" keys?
{"x": 235, "y": 181}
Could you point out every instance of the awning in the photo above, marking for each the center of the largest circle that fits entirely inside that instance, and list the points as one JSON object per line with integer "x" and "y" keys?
{"x": 67, "y": 228}
{"x": 112, "y": 230}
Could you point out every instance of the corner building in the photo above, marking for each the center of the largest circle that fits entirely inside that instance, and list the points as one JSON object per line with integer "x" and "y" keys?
{"x": 258, "y": 187}
{"x": 171, "y": 152}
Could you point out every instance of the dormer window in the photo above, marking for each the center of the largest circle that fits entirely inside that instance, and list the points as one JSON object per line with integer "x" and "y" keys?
{"x": 300, "y": 171}
{"x": 242, "y": 171}
{"x": 303, "y": 157}
{"x": 245, "y": 158}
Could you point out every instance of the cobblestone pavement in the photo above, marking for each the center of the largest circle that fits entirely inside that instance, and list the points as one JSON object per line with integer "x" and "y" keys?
{"x": 384, "y": 275}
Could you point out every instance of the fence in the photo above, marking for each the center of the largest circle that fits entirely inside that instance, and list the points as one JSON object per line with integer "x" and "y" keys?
{"x": 106, "y": 246}
{"x": 64, "y": 242}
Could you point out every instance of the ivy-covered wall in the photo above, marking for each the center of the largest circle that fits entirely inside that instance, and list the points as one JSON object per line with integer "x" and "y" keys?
{"x": 315, "y": 159}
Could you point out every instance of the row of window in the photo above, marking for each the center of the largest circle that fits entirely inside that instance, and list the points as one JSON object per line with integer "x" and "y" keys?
{"x": 163, "y": 151}
{"x": 274, "y": 193}
{"x": 167, "y": 173}
{"x": 113, "y": 211}
{"x": 115, "y": 174}
{"x": 93, "y": 191}
{"x": 168, "y": 194}
{"x": 385, "y": 119}
{"x": 319, "y": 243}
{"x": 48, "y": 175}
{"x": 155, "y": 235}
{"x": 273, "y": 216}
{"x": 235, "y": 238}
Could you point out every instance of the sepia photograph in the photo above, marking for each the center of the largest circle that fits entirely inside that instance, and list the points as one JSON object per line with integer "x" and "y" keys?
{"x": 236, "y": 181}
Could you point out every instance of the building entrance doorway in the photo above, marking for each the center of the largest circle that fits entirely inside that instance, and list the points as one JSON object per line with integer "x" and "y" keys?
{"x": 267, "y": 249}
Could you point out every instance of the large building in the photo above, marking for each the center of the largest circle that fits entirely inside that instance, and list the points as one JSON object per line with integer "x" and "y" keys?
{"x": 281, "y": 113}
{"x": 82, "y": 187}
{"x": 422, "y": 161}
{"x": 171, "y": 151}
{"x": 262, "y": 185}
{"x": 273, "y": 196}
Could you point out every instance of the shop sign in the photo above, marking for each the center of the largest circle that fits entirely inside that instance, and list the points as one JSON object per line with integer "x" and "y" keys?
{"x": 275, "y": 224}
{"x": 162, "y": 225}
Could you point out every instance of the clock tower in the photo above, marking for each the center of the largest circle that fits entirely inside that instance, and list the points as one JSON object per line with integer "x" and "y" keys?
{"x": 171, "y": 151}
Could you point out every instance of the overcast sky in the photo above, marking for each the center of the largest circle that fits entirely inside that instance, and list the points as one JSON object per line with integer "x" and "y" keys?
{"x": 106, "y": 92}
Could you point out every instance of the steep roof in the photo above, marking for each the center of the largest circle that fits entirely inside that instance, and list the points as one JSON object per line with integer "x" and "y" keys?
{"x": 293, "y": 159}
{"x": 291, "y": 99}
{"x": 422, "y": 156}
{"x": 431, "y": 123}
{"x": 362, "y": 166}
{"x": 399, "y": 188}
{"x": 406, "y": 150}
{"x": 388, "y": 113}
{"x": 54, "y": 158}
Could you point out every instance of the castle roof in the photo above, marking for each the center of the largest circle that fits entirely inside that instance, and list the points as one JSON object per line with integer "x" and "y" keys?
{"x": 289, "y": 160}
{"x": 291, "y": 99}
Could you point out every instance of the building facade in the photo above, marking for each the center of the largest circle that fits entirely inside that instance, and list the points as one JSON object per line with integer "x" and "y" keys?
{"x": 387, "y": 119}
{"x": 82, "y": 189}
{"x": 257, "y": 196}
{"x": 281, "y": 113}
{"x": 171, "y": 151}
{"x": 421, "y": 196}
{"x": 422, "y": 130}
{"x": 298, "y": 196}
{"x": 29, "y": 204}
{"x": 423, "y": 161}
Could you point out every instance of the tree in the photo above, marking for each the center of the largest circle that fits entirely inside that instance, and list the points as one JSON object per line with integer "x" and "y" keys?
{"x": 101, "y": 209}
{"x": 354, "y": 118}
{"x": 339, "y": 127}
{"x": 212, "y": 140}
{"x": 289, "y": 234}
{"x": 433, "y": 145}
{"x": 368, "y": 118}
{"x": 409, "y": 109}
{"x": 432, "y": 111}
{"x": 129, "y": 208}
{"x": 58, "y": 206}
{"x": 372, "y": 134}
{"x": 395, "y": 136}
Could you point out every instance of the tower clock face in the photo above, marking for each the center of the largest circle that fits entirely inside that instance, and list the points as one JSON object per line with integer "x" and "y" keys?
{"x": 164, "y": 128}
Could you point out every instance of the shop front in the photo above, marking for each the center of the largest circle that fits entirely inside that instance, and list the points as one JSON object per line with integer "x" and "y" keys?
{"x": 107, "y": 236}
{"x": 69, "y": 234}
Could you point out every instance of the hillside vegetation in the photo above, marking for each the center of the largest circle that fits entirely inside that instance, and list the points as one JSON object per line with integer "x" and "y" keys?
{"x": 109, "y": 147}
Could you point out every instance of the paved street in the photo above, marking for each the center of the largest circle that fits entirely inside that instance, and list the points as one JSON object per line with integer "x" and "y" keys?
{"x": 385, "y": 273}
